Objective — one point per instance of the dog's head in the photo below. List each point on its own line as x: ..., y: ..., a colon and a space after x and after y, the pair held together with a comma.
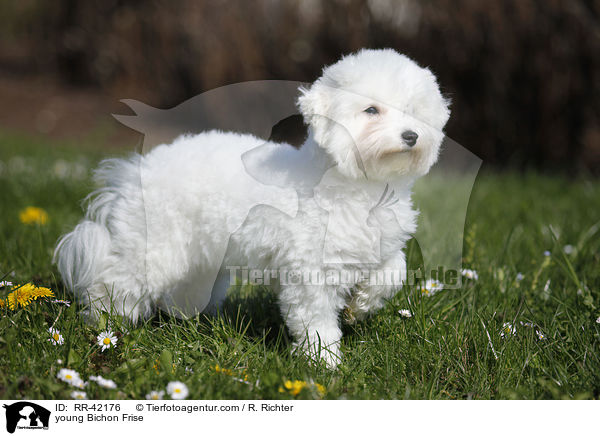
x: 377, y: 112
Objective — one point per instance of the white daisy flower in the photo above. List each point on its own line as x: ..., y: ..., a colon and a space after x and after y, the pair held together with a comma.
x: 105, y: 383
x: 4, y: 284
x: 78, y: 395
x: 538, y: 333
x: 70, y: 376
x: 568, y: 249
x: 177, y: 390
x: 470, y: 274
x: 508, y: 330
x: 431, y: 287
x: 546, y: 291
x: 55, y: 337
x: 155, y: 395
x: 107, y: 339
x: 520, y: 277
x: 405, y: 313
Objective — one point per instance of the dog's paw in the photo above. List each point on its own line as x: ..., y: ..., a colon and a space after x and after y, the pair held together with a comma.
x: 349, y: 316
x: 332, y: 359
x: 357, y: 307
x: 330, y: 354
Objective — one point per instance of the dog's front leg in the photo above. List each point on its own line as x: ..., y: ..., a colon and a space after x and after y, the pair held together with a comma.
x: 311, y: 313
x: 367, y: 298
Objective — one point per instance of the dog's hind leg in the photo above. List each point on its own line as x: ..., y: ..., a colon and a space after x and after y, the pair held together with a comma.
x: 116, y: 299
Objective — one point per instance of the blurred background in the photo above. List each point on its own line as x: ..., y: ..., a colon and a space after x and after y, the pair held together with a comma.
x: 523, y: 75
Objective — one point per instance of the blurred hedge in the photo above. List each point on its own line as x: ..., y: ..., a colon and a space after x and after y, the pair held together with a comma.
x: 523, y: 74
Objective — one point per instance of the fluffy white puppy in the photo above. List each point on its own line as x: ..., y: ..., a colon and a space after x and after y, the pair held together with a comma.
x: 170, y: 228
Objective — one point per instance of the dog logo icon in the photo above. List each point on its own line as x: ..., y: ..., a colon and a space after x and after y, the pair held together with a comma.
x: 26, y: 415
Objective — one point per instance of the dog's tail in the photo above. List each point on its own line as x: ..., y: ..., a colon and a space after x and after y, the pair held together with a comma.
x: 79, y: 256
x: 85, y: 257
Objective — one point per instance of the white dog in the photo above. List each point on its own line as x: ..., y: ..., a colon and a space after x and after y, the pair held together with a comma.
x: 170, y: 228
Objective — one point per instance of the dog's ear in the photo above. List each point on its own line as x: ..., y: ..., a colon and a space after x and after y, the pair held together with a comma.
x: 313, y: 104
x: 439, y: 117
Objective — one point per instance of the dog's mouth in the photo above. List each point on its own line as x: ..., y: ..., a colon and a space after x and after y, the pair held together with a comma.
x: 394, y: 152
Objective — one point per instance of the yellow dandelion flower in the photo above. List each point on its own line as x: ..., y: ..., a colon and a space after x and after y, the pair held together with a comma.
x: 293, y: 387
x: 33, y: 215
x: 223, y: 370
x: 296, y: 386
x: 320, y: 388
x: 25, y: 294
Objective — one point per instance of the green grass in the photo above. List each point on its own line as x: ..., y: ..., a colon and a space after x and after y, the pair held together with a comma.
x: 442, y: 352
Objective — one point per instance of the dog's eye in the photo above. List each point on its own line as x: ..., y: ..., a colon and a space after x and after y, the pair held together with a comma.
x: 372, y: 110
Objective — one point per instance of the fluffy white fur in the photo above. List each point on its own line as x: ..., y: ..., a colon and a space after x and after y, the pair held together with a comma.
x: 164, y: 221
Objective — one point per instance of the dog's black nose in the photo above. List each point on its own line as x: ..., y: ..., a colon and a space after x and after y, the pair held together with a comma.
x: 410, y: 138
